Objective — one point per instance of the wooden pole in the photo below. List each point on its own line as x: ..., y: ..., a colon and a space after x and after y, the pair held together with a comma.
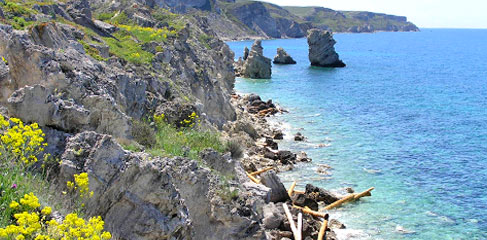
x: 261, y: 171
x: 299, y: 192
x: 324, y: 226
x: 291, y: 221
x: 291, y: 189
x: 364, y: 193
x: 255, y: 180
x: 340, y: 202
x: 300, y: 226
x: 311, y: 212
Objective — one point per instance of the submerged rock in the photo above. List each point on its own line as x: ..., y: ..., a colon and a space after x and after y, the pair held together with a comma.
x: 321, y: 49
x: 256, y: 65
x: 283, y: 57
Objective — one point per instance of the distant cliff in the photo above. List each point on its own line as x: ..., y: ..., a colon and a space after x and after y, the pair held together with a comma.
x: 242, y: 19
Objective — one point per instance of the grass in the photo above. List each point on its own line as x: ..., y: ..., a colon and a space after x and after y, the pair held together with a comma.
x: 184, y: 142
x: 127, y: 48
x: 93, y: 52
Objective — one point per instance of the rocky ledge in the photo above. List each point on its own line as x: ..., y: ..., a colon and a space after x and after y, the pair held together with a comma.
x: 283, y: 57
x: 322, y: 49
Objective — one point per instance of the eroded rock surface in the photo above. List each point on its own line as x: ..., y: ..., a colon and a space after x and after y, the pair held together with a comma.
x: 255, y: 65
x: 322, y: 49
x: 283, y: 57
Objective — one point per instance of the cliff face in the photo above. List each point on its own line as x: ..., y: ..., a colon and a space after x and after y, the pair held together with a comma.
x: 272, y: 21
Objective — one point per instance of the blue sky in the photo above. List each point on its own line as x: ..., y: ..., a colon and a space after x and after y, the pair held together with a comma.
x: 424, y: 13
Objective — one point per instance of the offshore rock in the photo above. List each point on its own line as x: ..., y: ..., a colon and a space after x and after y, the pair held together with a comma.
x: 256, y: 65
x: 322, y: 49
x: 283, y: 57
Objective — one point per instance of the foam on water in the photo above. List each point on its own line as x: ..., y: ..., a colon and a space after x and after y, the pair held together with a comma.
x: 407, y: 116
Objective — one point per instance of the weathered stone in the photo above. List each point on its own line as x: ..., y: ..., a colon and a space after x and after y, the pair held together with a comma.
x: 286, y: 157
x: 273, y: 217
x: 299, y: 137
x: 303, y: 200
x: 272, y: 181
x: 283, y: 57
x: 256, y: 65
x: 320, y: 195
x: 321, y: 49
x: 336, y: 224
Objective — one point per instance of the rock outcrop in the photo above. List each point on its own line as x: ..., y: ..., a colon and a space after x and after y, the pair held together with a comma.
x: 283, y: 57
x: 144, y: 197
x: 255, y: 65
x: 322, y: 49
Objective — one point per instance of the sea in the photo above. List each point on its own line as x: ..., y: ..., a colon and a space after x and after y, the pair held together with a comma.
x: 407, y: 115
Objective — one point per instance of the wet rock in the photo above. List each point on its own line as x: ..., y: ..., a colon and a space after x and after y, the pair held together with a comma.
x: 299, y: 137
x: 283, y: 57
x: 323, y: 169
x: 270, y: 143
x: 303, y: 200
x: 321, y: 49
x: 286, y: 157
x: 278, y: 135
x: 303, y: 157
x: 272, y: 181
x: 320, y: 195
x: 336, y: 224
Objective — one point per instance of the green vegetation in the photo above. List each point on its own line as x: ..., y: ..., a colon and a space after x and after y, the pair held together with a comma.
x: 125, y: 47
x: 92, y: 51
x: 188, y: 140
x: 17, y: 14
x: 205, y: 40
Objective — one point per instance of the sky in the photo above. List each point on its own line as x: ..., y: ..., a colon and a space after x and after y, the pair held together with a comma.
x: 423, y: 13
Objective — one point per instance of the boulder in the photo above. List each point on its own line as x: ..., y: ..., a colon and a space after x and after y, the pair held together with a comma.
x: 256, y: 65
x: 299, y: 137
x: 320, y: 195
x: 283, y: 57
x: 322, y: 49
x: 272, y: 181
x: 273, y: 217
x: 303, y: 200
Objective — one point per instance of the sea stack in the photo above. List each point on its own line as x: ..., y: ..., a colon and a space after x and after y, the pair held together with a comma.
x: 322, y: 49
x: 256, y: 65
x: 283, y: 57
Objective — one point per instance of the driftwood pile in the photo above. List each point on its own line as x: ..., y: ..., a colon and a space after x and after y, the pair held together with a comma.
x: 297, y: 227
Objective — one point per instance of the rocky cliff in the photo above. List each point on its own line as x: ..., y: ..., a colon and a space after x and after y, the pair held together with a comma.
x: 264, y: 20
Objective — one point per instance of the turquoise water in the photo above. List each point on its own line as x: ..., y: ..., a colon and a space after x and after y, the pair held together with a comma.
x: 408, y: 115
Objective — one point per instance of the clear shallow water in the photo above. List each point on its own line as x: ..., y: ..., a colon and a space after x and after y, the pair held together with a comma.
x: 412, y: 107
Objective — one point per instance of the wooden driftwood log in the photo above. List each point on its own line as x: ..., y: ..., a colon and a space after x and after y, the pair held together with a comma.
x: 311, y: 212
x: 324, y: 226
x: 364, y: 193
x: 300, y: 226
x: 291, y: 189
x: 255, y: 180
x: 351, y: 197
x: 289, y: 216
x: 261, y: 171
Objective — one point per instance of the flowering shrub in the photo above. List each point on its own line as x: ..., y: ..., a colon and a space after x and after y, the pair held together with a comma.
x: 36, y: 224
x: 20, y: 143
x: 191, y: 121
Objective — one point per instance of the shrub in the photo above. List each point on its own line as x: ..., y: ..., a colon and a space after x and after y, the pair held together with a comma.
x: 235, y: 148
x: 143, y: 133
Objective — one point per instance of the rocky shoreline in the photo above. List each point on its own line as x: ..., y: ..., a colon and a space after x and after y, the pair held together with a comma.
x: 262, y: 153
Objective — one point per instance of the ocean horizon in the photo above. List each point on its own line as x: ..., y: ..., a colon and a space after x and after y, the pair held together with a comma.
x: 406, y: 116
